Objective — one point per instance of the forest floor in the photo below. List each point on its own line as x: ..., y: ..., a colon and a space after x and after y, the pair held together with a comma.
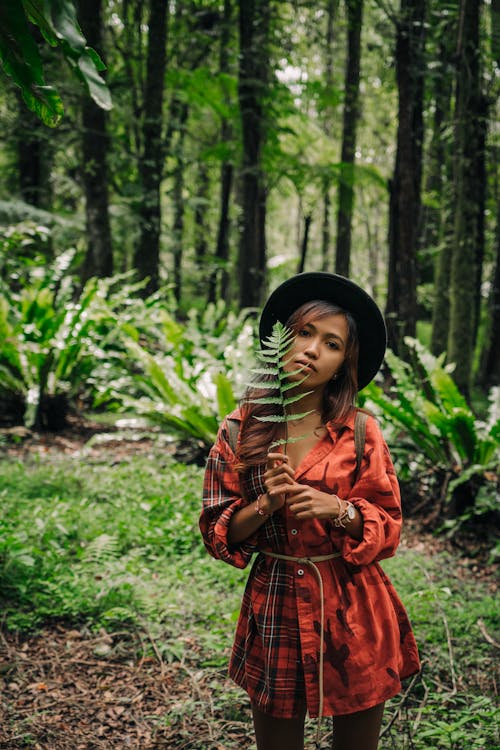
x: 66, y: 687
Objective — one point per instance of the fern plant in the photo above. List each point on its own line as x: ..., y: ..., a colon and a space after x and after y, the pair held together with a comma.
x: 273, y: 377
x: 433, y: 424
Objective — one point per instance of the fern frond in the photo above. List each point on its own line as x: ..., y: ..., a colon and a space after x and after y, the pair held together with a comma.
x: 103, y: 547
x: 283, y: 418
x: 273, y: 357
x: 266, y: 370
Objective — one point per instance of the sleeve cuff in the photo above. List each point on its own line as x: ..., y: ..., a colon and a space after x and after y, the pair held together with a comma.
x: 380, y: 536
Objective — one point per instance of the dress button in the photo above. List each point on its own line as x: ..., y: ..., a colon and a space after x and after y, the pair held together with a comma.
x: 294, y: 531
x: 300, y: 572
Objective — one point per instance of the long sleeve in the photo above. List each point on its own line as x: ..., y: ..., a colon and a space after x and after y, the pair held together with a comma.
x: 376, y: 496
x: 222, y: 498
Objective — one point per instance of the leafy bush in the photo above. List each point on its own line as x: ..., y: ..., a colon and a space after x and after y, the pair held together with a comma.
x: 186, y: 379
x: 47, y: 349
x: 430, y: 425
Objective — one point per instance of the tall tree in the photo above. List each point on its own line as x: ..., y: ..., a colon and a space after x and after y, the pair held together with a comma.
x: 219, y: 275
x: 147, y: 254
x: 253, y: 77
x: 437, y: 221
x: 95, y: 144
x: 491, y: 372
x: 331, y: 12
x: 348, y: 155
x: 404, y: 207
x: 465, y: 263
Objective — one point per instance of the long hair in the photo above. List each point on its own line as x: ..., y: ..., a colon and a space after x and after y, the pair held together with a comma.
x: 338, y: 395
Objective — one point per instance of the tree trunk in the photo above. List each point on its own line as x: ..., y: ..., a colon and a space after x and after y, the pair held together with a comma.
x: 437, y: 229
x: 34, y: 158
x: 252, y: 84
x: 95, y: 143
x: 179, y: 113
x: 404, y: 207
x: 219, y: 276
x: 351, y: 114
x: 147, y: 255
x: 491, y: 375
x: 305, y: 242
x: 328, y: 114
x: 200, y: 215
x: 464, y: 262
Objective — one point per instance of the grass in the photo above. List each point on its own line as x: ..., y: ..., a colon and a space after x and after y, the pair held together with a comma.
x: 101, y: 544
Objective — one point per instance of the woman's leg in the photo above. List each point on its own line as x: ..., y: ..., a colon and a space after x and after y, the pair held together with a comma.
x: 274, y: 734
x: 358, y: 731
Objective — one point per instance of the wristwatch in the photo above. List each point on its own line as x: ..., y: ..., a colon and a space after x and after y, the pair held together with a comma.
x: 347, y: 512
x: 350, y: 510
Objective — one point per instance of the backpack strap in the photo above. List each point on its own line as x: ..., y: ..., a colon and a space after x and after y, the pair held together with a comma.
x: 359, y: 437
x: 233, y: 429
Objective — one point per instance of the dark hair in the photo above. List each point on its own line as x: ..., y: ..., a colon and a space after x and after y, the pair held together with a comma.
x: 338, y: 397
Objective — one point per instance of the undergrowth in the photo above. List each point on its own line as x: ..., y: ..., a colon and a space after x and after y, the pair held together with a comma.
x: 117, y: 545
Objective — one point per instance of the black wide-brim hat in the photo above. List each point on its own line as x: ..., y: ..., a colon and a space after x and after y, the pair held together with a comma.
x: 340, y: 291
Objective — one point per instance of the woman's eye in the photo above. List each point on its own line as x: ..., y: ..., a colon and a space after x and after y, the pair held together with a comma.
x: 303, y: 332
x: 333, y: 345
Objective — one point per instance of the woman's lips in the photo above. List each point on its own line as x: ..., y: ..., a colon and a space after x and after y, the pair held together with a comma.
x: 305, y: 365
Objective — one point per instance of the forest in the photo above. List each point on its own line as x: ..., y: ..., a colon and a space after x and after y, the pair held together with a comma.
x: 164, y: 167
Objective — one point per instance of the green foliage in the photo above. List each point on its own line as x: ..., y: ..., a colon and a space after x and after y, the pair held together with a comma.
x: 429, y: 422
x: 67, y: 544
x: 21, y: 60
x: 47, y: 347
x: 183, y: 379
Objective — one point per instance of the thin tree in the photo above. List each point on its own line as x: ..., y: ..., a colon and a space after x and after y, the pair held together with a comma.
x: 95, y: 144
x: 327, y: 123
x: 404, y: 207
x: 491, y: 371
x: 348, y: 155
x: 147, y: 253
x: 436, y: 230
x: 465, y: 263
x: 219, y: 275
x: 254, y: 24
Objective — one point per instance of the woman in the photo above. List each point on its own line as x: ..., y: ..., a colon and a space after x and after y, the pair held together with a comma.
x: 321, y: 629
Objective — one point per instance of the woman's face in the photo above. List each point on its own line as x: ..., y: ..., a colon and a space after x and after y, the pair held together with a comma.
x: 319, y: 349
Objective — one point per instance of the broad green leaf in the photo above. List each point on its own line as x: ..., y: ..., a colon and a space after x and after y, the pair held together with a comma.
x: 21, y: 61
x: 225, y: 396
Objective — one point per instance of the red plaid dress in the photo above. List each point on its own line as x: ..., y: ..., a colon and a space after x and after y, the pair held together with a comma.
x: 368, y: 642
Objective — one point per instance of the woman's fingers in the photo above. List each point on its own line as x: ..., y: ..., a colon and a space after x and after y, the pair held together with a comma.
x: 274, y: 456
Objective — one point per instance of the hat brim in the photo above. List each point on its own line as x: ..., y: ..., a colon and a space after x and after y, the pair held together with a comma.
x: 340, y: 291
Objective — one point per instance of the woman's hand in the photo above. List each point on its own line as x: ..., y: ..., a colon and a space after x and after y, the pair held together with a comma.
x: 278, y: 478
x: 308, y: 502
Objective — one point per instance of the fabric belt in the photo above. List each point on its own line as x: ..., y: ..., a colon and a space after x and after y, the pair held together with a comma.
x: 311, y: 562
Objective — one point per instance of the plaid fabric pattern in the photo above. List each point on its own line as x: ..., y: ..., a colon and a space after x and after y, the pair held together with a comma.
x: 368, y: 642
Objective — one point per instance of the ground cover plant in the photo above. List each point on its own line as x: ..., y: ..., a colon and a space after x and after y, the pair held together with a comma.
x: 117, y: 626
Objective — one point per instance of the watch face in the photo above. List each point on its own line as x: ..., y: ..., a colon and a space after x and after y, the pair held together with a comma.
x: 351, y: 512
